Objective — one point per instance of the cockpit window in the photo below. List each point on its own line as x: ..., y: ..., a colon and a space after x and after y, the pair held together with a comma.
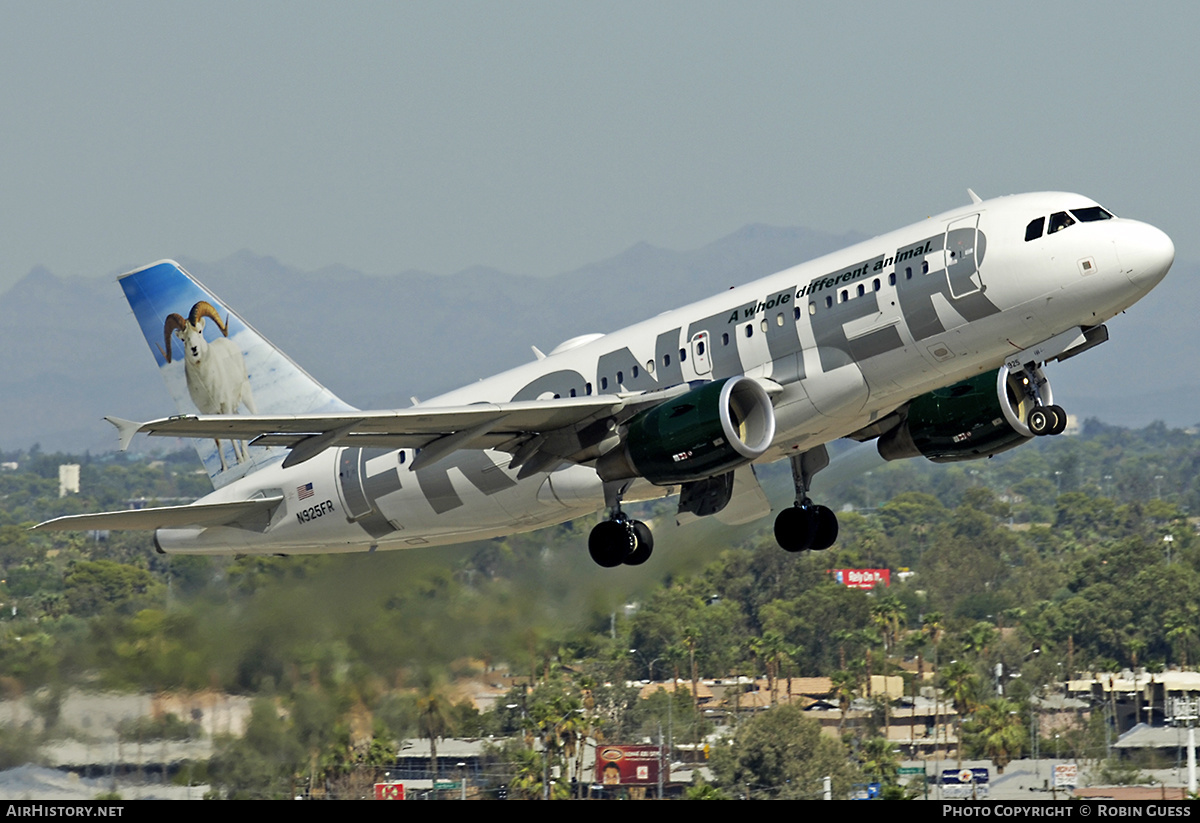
x: 1059, y: 221
x: 1034, y: 230
x: 1091, y: 214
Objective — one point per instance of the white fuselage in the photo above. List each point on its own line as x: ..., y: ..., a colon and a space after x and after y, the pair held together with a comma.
x: 849, y: 337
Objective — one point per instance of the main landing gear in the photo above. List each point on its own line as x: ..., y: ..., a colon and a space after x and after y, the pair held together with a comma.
x: 619, y: 540
x: 805, y: 525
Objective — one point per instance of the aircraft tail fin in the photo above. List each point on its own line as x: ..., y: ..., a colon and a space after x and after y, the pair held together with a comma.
x: 214, y: 362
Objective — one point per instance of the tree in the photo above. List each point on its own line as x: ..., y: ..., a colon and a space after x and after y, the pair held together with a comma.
x: 880, y: 760
x: 781, y: 754
x: 261, y: 764
x: 996, y: 731
x: 433, y: 721
x: 100, y: 586
x: 961, y: 682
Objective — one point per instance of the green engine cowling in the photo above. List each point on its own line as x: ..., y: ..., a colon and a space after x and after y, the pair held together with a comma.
x: 976, y: 418
x: 703, y: 433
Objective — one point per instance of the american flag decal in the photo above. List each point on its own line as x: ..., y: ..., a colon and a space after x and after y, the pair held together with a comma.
x: 305, y: 491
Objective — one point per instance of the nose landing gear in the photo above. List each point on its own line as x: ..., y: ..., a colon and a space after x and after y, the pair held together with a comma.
x: 1047, y: 420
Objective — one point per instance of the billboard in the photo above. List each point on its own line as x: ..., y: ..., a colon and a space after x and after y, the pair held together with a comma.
x: 630, y: 765
x: 965, y: 783
x: 862, y: 578
x: 389, y: 791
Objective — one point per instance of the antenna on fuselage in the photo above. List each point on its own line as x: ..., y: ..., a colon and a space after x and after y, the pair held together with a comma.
x: 975, y: 198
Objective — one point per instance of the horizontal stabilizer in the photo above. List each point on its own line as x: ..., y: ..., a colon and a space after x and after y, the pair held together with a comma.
x: 254, y: 513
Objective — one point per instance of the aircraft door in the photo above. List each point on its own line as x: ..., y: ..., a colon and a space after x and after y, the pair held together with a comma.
x: 962, y: 254
x: 701, y: 357
x: 350, y: 484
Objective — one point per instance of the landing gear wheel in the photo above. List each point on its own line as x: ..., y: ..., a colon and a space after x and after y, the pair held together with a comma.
x: 611, y: 542
x: 825, y: 529
x: 645, y: 544
x: 1060, y: 423
x: 1041, y: 420
x: 794, y: 529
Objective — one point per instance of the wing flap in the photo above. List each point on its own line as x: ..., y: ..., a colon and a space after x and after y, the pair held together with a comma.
x: 247, y: 513
x: 520, y: 416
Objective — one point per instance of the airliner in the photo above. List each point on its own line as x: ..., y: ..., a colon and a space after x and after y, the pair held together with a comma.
x: 931, y: 340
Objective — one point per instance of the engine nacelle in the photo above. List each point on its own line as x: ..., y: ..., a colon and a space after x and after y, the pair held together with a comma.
x: 976, y: 418
x: 708, y: 431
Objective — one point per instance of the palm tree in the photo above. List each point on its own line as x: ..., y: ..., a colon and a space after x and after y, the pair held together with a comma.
x: 434, y: 721
x: 844, y: 684
x: 961, y: 682
x: 931, y: 627
x: 880, y: 760
x: 996, y: 729
x: 1181, y: 629
x: 887, y: 615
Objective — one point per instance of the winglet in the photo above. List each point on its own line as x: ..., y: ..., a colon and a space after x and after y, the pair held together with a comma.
x: 126, y: 429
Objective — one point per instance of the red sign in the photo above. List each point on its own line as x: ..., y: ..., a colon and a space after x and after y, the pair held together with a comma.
x: 389, y: 791
x: 862, y: 578
x: 630, y: 765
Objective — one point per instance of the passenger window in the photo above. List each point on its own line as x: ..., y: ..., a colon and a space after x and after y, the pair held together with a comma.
x: 620, y: 377
x: 908, y: 272
x: 587, y: 388
x: 861, y: 289
x: 1034, y: 230
x: 650, y: 366
x: 763, y: 324
x: 603, y: 384
x: 572, y: 392
x: 796, y: 311
x: 634, y: 371
x: 845, y: 295
x: 666, y: 359
x: 924, y: 267
x: 700, y: 348
x: 683, y: 355
x: 725, y: 339
x: 892, y: 279
x: 749, y: 329
x: 829, y: 302
x: 1059, y: 221
x: 877, y: 285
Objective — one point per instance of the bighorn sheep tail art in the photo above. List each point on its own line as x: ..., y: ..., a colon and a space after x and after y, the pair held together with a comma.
x: 216, y: 372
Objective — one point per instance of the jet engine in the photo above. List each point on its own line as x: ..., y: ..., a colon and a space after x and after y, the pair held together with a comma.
x: 706, y: 432
x: 981, y: 416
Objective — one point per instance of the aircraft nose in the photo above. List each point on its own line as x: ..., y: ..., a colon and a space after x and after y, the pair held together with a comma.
x: 1146, y: 254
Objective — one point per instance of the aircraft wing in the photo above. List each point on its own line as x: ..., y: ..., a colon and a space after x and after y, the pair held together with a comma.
x: 254, y: 513
x: 539, y: 433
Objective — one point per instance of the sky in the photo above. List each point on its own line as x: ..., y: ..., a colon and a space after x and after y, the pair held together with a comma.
x: 536, y: 137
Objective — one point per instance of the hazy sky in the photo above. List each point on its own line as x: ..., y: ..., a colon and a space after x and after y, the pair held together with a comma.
x: 537, y: 137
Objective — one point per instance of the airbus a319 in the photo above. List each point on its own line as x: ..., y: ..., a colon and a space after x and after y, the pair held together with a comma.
x: 930, y: 340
